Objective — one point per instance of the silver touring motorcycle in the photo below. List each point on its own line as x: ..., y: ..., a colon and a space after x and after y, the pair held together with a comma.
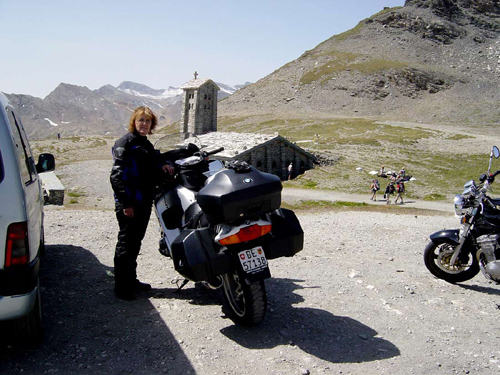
x: 457, y: 255
x: 221, y: 224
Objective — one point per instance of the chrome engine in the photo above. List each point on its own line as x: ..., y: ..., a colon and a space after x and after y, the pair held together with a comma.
x: 487, y: 256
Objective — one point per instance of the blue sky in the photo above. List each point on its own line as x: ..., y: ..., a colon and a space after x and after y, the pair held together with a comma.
x: 161, y: 43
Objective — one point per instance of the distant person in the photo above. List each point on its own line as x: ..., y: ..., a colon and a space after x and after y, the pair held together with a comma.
x: 402, y: 173
x: 290, y: 169
x: 58, y: 135
x: 374, y: 187
x: 400, y: 189
x: 136, y: 172
x: 382, y: 172
x: 388, y: 191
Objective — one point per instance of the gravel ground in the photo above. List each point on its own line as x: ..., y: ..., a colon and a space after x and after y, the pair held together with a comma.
x: 356, y: 300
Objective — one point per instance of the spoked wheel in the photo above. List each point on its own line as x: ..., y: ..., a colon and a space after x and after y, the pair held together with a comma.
x: 437, y: 259
x: 247, y: 303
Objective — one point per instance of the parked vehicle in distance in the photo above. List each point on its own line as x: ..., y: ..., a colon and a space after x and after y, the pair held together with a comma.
x: 21, y: 227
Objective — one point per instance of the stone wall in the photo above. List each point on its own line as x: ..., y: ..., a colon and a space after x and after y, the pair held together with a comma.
x: 274, y: 157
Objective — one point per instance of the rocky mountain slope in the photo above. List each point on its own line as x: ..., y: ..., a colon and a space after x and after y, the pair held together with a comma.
x: 75, y: 110
x: 428, y: 61
x: 432, y: 61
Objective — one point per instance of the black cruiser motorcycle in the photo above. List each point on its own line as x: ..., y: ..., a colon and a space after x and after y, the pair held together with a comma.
x: 457, y: 255
x: 221, y: 224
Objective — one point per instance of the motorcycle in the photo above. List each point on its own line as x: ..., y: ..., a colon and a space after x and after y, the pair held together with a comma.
x: 457, y: 255
x: 221, y: 224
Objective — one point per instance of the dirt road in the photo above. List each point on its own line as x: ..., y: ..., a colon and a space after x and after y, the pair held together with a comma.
x: 356, y: 300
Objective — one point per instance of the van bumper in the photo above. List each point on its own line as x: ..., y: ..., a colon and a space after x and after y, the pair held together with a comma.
x: 15, y: 307
x: 19, y: 280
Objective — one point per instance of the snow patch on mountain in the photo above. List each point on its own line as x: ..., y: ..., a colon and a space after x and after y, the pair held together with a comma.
x: 165, y: 94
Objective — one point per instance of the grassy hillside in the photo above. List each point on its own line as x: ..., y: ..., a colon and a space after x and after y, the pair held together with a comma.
x: 441, y: 158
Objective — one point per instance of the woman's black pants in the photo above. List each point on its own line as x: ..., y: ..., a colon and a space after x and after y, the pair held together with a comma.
x: 130, y: 235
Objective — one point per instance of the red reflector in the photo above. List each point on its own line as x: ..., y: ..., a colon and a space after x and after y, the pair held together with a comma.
x: 17, y: 249
x: 246, y: 234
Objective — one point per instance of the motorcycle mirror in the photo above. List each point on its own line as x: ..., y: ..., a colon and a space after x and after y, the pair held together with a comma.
x: 495, y: 152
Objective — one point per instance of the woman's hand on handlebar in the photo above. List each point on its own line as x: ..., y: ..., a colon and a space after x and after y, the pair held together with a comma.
x: 167, y: 168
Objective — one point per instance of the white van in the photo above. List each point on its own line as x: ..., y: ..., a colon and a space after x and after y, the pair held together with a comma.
x: 21, y: 227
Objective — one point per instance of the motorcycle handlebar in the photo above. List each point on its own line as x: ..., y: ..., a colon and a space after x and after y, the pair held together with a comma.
x: 215, y: 151
x: 490, y: 178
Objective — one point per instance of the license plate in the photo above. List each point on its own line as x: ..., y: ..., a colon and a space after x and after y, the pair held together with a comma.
x: 253, y: 260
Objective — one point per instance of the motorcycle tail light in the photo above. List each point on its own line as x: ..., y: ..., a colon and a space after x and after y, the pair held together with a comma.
x: 246, y: 234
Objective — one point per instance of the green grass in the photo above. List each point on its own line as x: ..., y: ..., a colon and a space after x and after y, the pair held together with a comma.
x: 322, y: 206
x: 342, y: 61
x: 366, y: 143
x: 325, y: 133
x: 74, y: 195
x: 434, y: 197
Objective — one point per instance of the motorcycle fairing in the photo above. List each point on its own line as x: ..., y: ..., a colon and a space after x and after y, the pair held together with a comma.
x: 170, y: 208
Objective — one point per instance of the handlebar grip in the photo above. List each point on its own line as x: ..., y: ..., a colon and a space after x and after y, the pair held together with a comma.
x: 496, y: 173
x: 215, y: 151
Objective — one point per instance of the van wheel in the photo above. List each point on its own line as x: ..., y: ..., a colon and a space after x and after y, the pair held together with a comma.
x: 28, y: 330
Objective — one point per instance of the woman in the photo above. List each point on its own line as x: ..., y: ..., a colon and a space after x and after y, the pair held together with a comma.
x: 135, y: 173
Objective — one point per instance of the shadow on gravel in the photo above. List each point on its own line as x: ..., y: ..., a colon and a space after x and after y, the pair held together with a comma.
x: 337, y: 339
x: 88, y: 330
x: 481, y: 289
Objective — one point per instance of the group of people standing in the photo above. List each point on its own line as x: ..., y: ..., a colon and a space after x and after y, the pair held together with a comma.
x: 395, y: 184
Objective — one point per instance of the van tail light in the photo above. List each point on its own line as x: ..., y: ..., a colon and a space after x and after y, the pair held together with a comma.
x: 248, y: 233
x: 17, y: 249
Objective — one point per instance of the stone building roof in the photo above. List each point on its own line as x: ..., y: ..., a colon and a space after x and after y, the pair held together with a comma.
x: 241, y: 143
x: 198, y: 82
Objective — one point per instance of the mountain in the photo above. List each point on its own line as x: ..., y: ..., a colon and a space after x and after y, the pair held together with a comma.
x: 138, y: 89
x: 75, y: 110
x: 429, y: 61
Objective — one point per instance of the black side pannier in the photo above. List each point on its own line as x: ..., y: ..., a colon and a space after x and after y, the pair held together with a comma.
x: 234, y: 194
x: 286, y: 238
x: 195, y: 257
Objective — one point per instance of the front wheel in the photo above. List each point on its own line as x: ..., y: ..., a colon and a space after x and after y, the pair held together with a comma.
x: 437, y: 258
x: 247, y: 303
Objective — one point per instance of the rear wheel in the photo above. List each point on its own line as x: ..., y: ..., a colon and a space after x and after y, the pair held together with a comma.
x: 437, y: 259
x: 247, y: 303
x: 28, y: 329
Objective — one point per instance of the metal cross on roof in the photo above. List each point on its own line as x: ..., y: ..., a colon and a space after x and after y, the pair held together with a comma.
x: 195, y: 74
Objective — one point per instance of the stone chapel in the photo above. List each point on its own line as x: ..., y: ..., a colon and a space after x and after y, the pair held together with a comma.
x: 268, y: 153
x: 199, y: 106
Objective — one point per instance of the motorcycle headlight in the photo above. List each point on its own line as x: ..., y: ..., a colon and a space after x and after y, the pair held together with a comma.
x: 464, y: 205
x: 459, y: 205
